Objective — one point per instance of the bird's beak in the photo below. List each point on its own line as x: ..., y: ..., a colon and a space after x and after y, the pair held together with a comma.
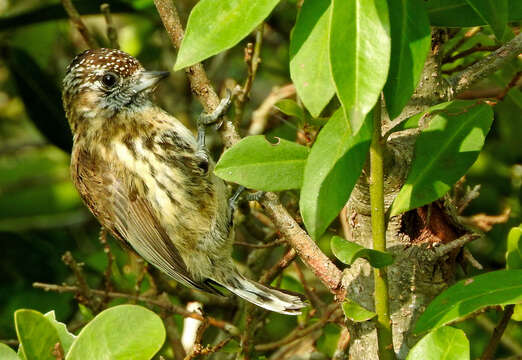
x: 149, y: 79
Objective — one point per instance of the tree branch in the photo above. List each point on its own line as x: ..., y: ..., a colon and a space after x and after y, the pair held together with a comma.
x: 112, y: 34
x: 305, y: 247
x: 497, y: 333
x: 491, y: 63
x: 74, y: 15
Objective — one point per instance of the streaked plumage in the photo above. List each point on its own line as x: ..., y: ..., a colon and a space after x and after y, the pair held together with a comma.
x: 139, y: 171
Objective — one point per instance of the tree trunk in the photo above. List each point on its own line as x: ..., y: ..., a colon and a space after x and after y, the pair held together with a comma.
x: 419, y: 272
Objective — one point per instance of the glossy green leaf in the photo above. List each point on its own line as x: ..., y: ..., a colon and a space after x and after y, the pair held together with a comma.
x: 494, y: 13
x: 347, y: 252
x: 6, y: 353
x: 444, y: 152
x: 332, y: 169
x: 214, y: 26
x: 413, y: 122
x: 501, y: 287
x: 458, y: 13
x: 120, y: 333
x: 42, y: 98
x: 36, y: 334
x: 258, y: 164
x: 359, y: 55
x: 309, y: 60
x: 66, y: 338
x: 410, y: 44
x: 290, y: 108
x: 445, y: 343
x: 514, y: 248
x: 356, y: 312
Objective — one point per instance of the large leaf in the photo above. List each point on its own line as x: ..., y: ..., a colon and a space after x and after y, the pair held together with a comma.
x: 66, y: 338
x: 348, y: 252
x: 214, y: 26
x: 57, y: 12
x: 359, y: 55
x: 445, y: 343
x: 36, y: 334
x: 119, y: 333
x: 42, y: 98
x: 6, y: 353
x: 444, y: 152
x: 494, y: 13
x: 309, y: 61
x: 331, y: 171
x: 410, y: 44
x: 356, y: 312
x: 514, y: 260
x: 458, y: 13
x: 501, y: 287
x: 258, y: 164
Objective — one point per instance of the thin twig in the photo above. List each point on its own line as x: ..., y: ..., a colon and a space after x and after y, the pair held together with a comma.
x: 74, y: 15
x: 228, y: 327
x: 84, y: 293
x: 469, y: 34
x: 497, y: 333
x: 509, y: 86
x: 310, y: 293
x: 260, y: 115
x: 486, y: 66
x: 112, y: 34
x: 252, y: 59
x: 474, y: 49
x: 270, y: 274
x: 110, y: 261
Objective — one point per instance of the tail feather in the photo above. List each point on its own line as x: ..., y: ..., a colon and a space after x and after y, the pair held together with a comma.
x: 269, y: 298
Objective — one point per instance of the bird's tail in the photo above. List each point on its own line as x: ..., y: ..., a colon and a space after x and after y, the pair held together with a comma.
x: 280, y: 301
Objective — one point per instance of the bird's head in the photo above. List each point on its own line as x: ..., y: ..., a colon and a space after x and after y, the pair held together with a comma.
x: 106, y: 81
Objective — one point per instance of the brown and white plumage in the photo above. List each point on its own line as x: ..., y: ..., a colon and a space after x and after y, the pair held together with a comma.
x: 139, y: 171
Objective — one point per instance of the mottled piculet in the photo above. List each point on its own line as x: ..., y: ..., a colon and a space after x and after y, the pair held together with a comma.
x: 144, y: 177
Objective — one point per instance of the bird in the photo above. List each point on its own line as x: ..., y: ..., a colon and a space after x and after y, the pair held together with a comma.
x: 149, y: 181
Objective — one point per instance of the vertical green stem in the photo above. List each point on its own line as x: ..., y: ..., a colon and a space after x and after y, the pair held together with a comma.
x: 384, y: 327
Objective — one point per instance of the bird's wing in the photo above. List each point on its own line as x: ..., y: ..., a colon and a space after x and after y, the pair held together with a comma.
x: 125, y: 212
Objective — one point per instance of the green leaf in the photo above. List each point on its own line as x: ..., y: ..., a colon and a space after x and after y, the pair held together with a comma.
x: 359, y: 55
x: 327, y: 342
x: 309, y: 58
x: 514, y: 248
x: 6, y: 353
x: 119, y: 333
x: 36, y: 334
x: 258, y: 164
x: 458, y: 13
x: 494, y: 13
x: 66, y: 338
x: 445, y: 343
x: 356, y: 312
x: 517, y: 313
x: 290, y: 108
x: 413, y: 122
x: 501, y: 287
x: 444, y: 152
x: 410, y: 44
x: 348, y: 252
x: 332, y: 169
x: 214, y: 26
x: 42, y: 98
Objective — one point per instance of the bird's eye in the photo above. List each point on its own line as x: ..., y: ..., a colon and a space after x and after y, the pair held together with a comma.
x: 109, y: 79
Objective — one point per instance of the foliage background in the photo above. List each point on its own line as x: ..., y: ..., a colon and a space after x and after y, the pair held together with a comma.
x: 41, y: 216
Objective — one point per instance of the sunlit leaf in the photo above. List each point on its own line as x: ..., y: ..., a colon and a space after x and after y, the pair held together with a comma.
x: 410, y: 44
x: 290, y: 108
x: 332, y: 169
x: 444, y: 152
x: 356, y: 312
x: 66, y: 338
x: 37, y: 336
x: 494, y: 13
x: 119, y: 333
x: 309, y: 61
x: 6, y: 353
x: 359, y: 55
x: 501, y: 287
x: 348, y: 252
x: 445, y: 343
x: 214, y: 26
x: 258, y: 164
x: 514, y: 248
